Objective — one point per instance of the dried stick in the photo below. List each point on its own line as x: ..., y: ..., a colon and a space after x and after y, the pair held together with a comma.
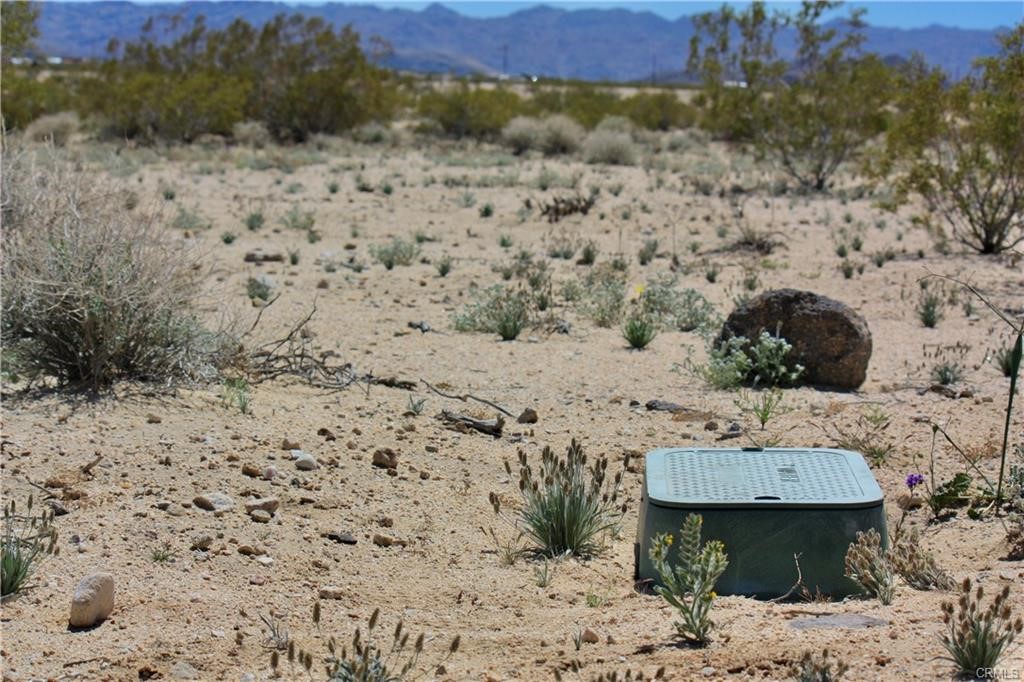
x: 468, y: 397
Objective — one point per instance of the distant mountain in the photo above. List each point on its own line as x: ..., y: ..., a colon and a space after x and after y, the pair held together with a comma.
x: 591, y: 44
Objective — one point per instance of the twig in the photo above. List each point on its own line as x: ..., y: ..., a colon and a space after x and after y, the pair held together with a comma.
x: 799, y: 581
x: 467, y: 397
x: 260, y: 315
x: 491, y: 427
x: 88, y: 467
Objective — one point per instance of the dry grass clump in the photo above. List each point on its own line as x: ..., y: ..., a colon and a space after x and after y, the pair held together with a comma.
x: 53, y: 128
x: 554, y: 135
x: 252, y: 134
x: 94, y: 291
x: 609, y: 147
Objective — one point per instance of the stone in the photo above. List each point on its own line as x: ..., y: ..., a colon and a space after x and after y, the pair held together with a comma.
x: 249, y: 550
x: 267, y: 504
x: 830, y: 339
x: 182, y: 670
x: 529, y: 416
x: 260, y: 516
x: 385, y: 458
x: 202, y: 542
x: 93, y: 600
x: 590, y: 637
x: 382, y: 540
x: 332, y: 593
x: 153, y: 418
x: 213, y: 501
x: 342, y: 537
x: 290, y: 444
x: 251, y: 470
x: 304, y: 461
x: 837, y: 621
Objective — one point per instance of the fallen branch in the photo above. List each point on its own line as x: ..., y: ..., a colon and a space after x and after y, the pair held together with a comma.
x: 491, y: 427
x: 88, y: 467
x: 467, y: 397
x: 799, y: 581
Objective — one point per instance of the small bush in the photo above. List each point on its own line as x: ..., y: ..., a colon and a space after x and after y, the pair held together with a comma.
x: 443, y: 265
x: 735, y: 361
x: 398, y: 252
x: 608, y: 147
x: 604, y: 296
x: 26, y: 541
x: 496, y: 310
x: 689, y: 584
x: 374, y: 133
x: 639, y: 330
x: 562, y: 135
x: 615, y: 124
x: 56, y: 129
x: 929, y: 308
x: 681, y: 309
x: 818, y: 669
x: 915, y: 565
x: 470, y: 111
x: 568, y: 506
x: 947, y: 373
x: 647, y: 252
x: 867, y: 566
x: 93, y: 292
x: 252, y: 134
x: 523, y: 134
x: 978, y: 638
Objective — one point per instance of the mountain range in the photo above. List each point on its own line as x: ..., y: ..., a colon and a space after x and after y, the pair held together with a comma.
x: 589, y: 44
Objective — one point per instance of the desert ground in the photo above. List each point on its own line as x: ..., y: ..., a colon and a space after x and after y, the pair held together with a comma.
x: 421, y: 553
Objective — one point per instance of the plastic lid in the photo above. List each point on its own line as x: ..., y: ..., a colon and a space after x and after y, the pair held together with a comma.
x: 773, y: 477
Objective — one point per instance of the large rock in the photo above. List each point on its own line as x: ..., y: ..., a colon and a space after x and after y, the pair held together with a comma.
x: 829, y: 338
x: 93, y: 600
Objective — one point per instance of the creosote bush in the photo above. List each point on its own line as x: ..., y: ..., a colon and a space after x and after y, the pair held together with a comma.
x: 95, y: 292
x: 688, y: 583
x: 568, y: 506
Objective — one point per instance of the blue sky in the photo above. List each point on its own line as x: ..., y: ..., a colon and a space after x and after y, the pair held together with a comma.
x: 981, y: 14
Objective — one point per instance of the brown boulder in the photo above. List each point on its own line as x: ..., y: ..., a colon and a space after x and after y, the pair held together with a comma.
x: 829, y: 338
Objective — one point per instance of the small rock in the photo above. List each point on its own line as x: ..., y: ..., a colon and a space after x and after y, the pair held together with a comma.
x: 289, y: 444
x: 264, y: 560
x: 252, y: 471
x: 257, y: 580
x: 711, y: 425
x: 163, y: 505
x: 424, y: 475
x: 529, y: 416
x: 153, y: 418
x: 57, y: 506
x: 93, y: 600
x: 267, y: 504
x: 202, y: 542
x: 304, y: 461
x: 332, y: 593
x: 260, y: 516
x: 707, y: 671
x: 214, y: 501
x: 590, y: 637
x: 326, y: 433
x: 270, y: 473
x: 382, y: 540
x: 343, y: 537
x: 385, y: 458
x: 249, y: 550
x: 184, y: 671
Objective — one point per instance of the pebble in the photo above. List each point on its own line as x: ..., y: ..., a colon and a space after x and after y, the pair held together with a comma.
x: 267, y: 504
x: 183, y: 670
x: 257, y: 580
x: 270, y: 473
x: 332, y: 593
x: 590, y: 637
x: 385, y: 458
x: 153, y: 418
x: 707, y: 671
x: 202, y: 542
x: 290, y: 444
x: 93, y: 600
x: 343, y: 537
x: 260, y: 516
x: 304, y: 461
x: 529, y: 416
x: 251, y: 470
x: 383, y: 540
x: 250, y: 550
x: 213, y: 501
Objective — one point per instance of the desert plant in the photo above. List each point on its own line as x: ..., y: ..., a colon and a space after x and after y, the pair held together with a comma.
x: 764, y: 406
x: 55, y: 129
x: 681, y: 309
x: 977, y: 638
x: 818, y: 668
x: 252, y: 134
x: 27, y: 540
x: 487, y: 210
x: 398, y: 252
x: 567, y: 506
x: 443, y: 265
x: 95, y: 293
x: 522, y: 134
x: 588, y: 255
x: 915, y: 565
x: 496, y: 310
x: 929, y: 308
x: 1003, y: 359
x: 236, y: 393
x: 254, y: 220
x: 561, y: 135
x: 647, y: 252
x: 688, y: 584
x: 639, y: 330
x: 866, y: 565
x: 608, y: 147
x: 259, y: 288
x: 728, y: 365
x: 947, y: 373
x: 604, y: 296
x: 297, y: 219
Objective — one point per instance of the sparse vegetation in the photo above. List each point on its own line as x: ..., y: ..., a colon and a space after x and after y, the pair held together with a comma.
x: 28, y: 538
x: 398, y: 252
x: 978, y: 637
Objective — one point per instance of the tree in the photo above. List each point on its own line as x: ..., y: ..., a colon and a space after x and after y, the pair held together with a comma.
x: 960, y: 148
x: 809, y: 117
x: 18, y: 26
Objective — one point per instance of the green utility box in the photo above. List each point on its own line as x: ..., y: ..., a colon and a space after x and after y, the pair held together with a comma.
x: 765, y: 505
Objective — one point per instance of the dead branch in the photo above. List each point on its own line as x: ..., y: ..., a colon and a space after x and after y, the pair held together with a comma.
x: 491, y: 427
x: 88, y: 467
x: 799, y: 581
x: 467, y: 397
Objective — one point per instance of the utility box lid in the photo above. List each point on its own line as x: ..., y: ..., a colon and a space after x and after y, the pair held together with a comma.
x: 760, y: 478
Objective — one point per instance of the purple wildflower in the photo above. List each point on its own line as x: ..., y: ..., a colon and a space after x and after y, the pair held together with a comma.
x: 914, y: 480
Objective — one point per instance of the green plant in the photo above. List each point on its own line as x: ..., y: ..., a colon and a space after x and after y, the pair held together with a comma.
x: 169, y: 193
x: 398, y: 252
x: 639, y: 330
x: 953, y: 493
x: 259, y: 288
x: 228, y: 237
x: 681, y: 309
x: 443, y: 265
x: 254, y: 220
x: 567, y: 506
x: 467, y: 111
x: 867, y: 566
x: 189, y: 219
x: 333, y: 187
x: 915, y: 565
x: 296, y: 219
x: 609, y: 147
x: 818, y: 668
x: 543, y: 574
x: 689, y: 584
x: 487, y: 210
x: 27, y: 540
x: 604, y: 296
x: 947, y: 373
x: 764, y: 407
x: 415, y: 406
x: 236, y: 392
x: 505, y: 241
x: 496, y: 310
x: 293, y: 256
x: 728, y: 365
x: 867, y: 435
x: 94, y: 293
x: 1003, y: 359
x: 164, y: 553
x: 648, y: 251
x: 977, y: 638
x: 588, y: 255
x: 929, y: 307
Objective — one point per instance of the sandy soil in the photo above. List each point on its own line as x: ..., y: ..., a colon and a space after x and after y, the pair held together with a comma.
x: 443, y: 576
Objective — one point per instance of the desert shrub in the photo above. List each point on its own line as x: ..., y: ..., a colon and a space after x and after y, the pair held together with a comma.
x: 688, y: 584
x: 251, y: 134
x: 960, y: 148
x: 639, y: 330
x: 615, y: 124
x: 681, y: 309
x: 609, y: 147
x: 56, y: 129
x: 915, y: 565
x: 867, y: 565
x: 585, y: 104
x: 522, y: 134
x: 978, y: 637
x: 562, y: 135
x: 736, y: 361
x: 95, y: 292
x: 27, y: 540
x: 24, y: 98
x: 466, y: 111
x: 658, y: 111
x: 604, y: 296
x: 496, y: 310
x: 728, y: 365
x: 818, y: 668
x: 374, y: 133
x: 567, y: 506
x: 398, y: 252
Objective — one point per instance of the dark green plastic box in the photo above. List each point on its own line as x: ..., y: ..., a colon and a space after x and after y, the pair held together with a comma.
x: 765, y: 505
